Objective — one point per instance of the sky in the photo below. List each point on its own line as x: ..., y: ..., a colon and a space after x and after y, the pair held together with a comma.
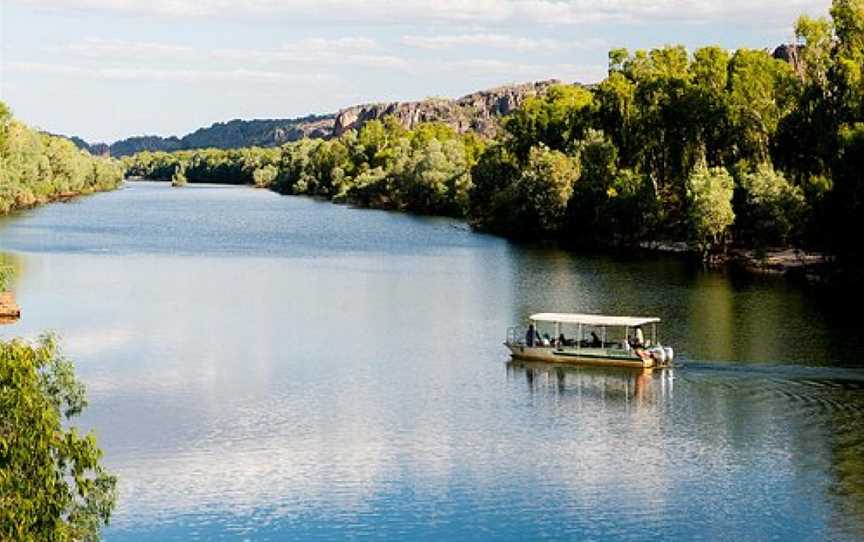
x: 110, y: 69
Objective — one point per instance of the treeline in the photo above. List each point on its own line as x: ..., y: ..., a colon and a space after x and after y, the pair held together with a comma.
x: 252, y: 165
x: 36, y: 167
x: 713, y: 147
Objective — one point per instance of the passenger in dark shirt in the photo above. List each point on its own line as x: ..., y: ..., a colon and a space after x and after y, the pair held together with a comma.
x: 531, y: 335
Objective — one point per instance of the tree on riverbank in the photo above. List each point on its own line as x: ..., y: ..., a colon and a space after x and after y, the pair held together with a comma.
x: 709, y: 196
x: 52, y: 483
x: 178, y: 178
x: 36, y: 167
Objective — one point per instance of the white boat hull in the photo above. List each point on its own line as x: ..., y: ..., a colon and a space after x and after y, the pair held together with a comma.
x: 581, y: 356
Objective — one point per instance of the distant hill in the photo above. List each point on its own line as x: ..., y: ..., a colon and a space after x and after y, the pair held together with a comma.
x: 479, y: 111
x: 222, y: 135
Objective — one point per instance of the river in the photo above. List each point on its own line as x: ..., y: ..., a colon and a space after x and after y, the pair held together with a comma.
x: 262, y: 367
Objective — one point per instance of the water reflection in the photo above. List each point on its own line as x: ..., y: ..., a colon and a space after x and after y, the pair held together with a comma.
x: 631, y: 386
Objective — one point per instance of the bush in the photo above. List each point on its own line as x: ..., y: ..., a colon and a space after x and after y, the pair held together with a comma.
x: 769, y: 210
x: 709, y: 196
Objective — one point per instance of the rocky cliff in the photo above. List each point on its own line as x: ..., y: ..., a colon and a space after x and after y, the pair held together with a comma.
x: 478, y: 111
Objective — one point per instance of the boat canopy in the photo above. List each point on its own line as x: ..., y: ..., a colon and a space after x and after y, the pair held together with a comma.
x: 593, y: 319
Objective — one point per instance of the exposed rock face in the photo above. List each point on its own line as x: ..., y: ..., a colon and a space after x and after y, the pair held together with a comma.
x: 790, y: 53
x: 478, y: 111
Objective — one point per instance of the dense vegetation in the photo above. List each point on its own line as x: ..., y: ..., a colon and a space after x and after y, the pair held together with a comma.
x: 36, y: 167
x: 711, y: 147
x: 52, y: 485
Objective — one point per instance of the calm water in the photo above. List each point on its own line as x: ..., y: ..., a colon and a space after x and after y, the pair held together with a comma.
x: 274, y: 368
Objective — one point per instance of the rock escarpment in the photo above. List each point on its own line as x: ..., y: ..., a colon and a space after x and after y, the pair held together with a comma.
x: 478, y: 111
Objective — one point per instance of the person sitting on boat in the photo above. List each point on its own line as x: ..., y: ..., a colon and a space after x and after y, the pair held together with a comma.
x: 562, y: 341
x: 547, y: 341
x: 531, y: 335
x: 595, y: 340
x: 639, y: 341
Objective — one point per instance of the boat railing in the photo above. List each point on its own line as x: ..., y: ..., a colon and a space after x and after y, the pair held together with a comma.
x: 516, y: 335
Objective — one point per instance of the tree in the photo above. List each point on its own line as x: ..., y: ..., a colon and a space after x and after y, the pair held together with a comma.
x: 437, y: 179
x: 179, y: 176
x: 556, y: 120
x: 542, y: 192
x: 845, y: 203
x: 52, y: 484
x: 709, y: 195
x: 769, y: 209
x: 493, y: 178
x: 264, y: 176
x: 763, y: 90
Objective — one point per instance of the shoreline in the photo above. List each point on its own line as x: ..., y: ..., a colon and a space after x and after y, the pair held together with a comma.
x: 787, y: 262
x: 780, y: 261
x: 59, y: 197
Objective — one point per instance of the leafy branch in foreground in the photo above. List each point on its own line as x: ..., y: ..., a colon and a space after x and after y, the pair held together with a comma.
x: 52, y: 484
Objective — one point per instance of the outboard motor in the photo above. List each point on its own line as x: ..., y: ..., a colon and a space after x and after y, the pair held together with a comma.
x: 670, y: 354
x: 659, y: 355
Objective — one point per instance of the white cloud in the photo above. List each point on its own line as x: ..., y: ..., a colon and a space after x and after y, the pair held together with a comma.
x: 347, y: 51
x: 499, y: 41
x: 558, y: 12
x: 128, y: 50
x: 518, y: 72
x: 176, y: 75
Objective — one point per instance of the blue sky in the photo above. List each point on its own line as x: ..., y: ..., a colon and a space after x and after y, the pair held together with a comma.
x: 108, y: 69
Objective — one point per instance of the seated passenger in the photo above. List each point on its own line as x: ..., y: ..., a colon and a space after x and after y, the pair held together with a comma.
x: 595, y: 340
x: 546, y: 340
x: 562, y: 341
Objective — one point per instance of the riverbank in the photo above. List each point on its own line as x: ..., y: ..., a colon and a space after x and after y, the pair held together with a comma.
x: 39, y: 168
x: 60, y: 197
x: 784, y: 261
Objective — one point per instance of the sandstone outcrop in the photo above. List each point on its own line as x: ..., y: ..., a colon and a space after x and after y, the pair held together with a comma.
x: 478, y: 111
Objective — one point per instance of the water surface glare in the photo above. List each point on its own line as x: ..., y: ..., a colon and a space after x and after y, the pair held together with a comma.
x: 275, y: 368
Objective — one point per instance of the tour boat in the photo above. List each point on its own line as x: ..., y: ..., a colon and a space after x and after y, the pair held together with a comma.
x: 590, y: 339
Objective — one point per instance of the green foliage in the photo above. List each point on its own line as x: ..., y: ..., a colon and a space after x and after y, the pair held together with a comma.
x: 52, y: 484
x: 493, y: 177
x: 556, y: 120
x: 608, y: 203
x: 769, y: 209
x: 763, y: 91
x: 7, y: 272
x: 232, y: 166
x: 845, y: 202
x: 36, y: 167
x: 179, y: 176
x: 263, y: 177
x: 436, y: 178
x: 709, y: 196
x: 541, y: 192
